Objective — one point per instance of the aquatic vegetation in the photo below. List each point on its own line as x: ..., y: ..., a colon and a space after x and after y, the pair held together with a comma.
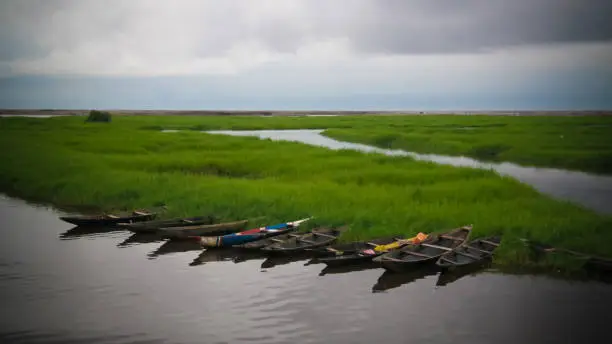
x: 126, y: 164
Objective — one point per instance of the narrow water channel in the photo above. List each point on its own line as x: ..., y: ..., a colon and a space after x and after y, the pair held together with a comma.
x: 588, y: 190
x: 60, y: 284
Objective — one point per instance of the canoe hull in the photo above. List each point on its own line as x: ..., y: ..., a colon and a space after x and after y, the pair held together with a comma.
x: 425, y: 252
x: 308, y: 241
x: 203, y: 230
x: 363, y: 251
x: 152, y: 226
x: 235, y: 239
x: 475, y: 252
x: 104, y: 221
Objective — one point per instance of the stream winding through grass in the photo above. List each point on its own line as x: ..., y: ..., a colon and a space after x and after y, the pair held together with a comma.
x: 589, y: 190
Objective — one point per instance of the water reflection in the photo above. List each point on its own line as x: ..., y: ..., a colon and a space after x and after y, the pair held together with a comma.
x: 389, y: 280
x: 448, y: 276
x: 343, y: 269
x: 87, y: 232
x: 175, y: 246
x: 590, y: 190
x: 140, y: 238
x: 226, y: 254
x: 275, y: 260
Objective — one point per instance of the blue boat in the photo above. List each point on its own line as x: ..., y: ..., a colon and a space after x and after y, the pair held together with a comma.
x: 250, y: 235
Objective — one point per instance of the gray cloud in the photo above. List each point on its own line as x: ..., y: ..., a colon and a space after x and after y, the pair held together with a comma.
x: 397, y: 26
x: 33, y: 28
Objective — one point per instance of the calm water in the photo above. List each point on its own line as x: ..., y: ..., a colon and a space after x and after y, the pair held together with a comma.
x: 589, y: 190
x: 61, y: 285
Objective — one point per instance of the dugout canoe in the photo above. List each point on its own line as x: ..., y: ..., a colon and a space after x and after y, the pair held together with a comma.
x: 259, y: 244
x: 250, y: 235
x: 476, y: 251
x: 185, y: 232
x: 154, y: 225
x: 110, y: 219
x: 365, y: 251
x: 427, y: 251
x: 311, y: 240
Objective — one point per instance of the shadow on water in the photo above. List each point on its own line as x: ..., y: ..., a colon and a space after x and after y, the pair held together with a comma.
x: 175, y: 246
x: 276, y: 260
x: 389, y: 280
x: 226, y: 254
x: 448, y: 276
x: 343, y: 269
x: 140, y: 238
x: 88, y: 232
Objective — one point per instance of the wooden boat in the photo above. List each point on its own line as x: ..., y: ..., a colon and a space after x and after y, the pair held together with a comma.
x: 261, y: 243
x: 426, y: 251
x: 110, y: 219
x: 250, y: 235
x: 365, y: 251
x: 476, y: 251
x: 201, y: 230
x: 152, y: 226
x: 299, y: 242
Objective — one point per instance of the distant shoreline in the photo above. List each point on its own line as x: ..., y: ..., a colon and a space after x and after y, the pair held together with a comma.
x: 82, y: 112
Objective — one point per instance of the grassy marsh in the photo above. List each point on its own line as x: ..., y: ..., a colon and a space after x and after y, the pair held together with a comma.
x: 572, y: 142
x: 126, y: 164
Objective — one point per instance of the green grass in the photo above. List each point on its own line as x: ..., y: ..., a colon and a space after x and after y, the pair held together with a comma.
x: 571, y: 142
x: 575, y: 143
x: 125, y: 164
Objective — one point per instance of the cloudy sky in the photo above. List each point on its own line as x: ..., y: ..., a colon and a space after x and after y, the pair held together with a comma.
x: 306, y: 54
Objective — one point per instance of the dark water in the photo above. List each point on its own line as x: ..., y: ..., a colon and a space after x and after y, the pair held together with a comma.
x: 59, y: 285
x: 585, y: 189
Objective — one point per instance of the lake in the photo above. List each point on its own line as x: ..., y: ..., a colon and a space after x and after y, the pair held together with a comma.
x: 64, y: 285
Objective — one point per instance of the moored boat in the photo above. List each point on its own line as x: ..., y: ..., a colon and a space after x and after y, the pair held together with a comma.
x: 365, y: 251
x: 153, y: 225
x: 185, y: 232
x: 310, y: 240
x: 261, y: 243
x: 250, y: 235
x: 426, y: 251
x: 476, y: 251
x: 110, y: 219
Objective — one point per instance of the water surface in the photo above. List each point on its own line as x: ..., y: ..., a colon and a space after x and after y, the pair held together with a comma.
x: 60, y: 284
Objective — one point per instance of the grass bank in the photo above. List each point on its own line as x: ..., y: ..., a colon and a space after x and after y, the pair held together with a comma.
x: 576, y: 142
x: 125, y: 164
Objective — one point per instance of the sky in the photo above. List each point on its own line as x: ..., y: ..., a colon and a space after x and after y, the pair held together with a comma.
x: 306, y: 54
